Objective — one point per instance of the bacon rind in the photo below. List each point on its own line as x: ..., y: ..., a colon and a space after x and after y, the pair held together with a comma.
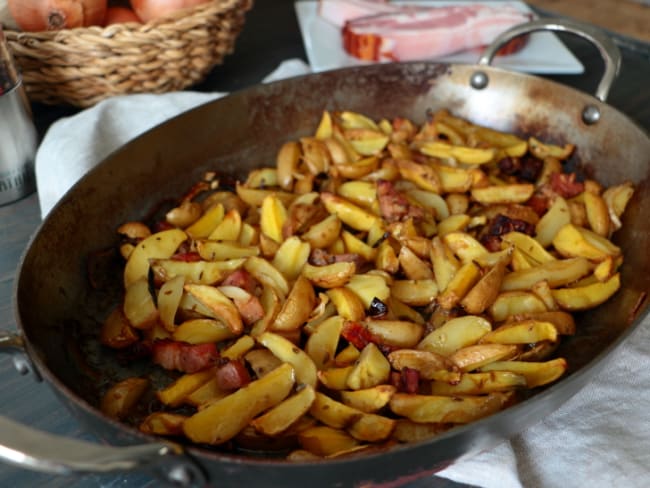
x: 424, y: 33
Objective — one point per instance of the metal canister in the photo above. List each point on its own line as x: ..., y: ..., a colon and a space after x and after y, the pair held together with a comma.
x: 18, y: 138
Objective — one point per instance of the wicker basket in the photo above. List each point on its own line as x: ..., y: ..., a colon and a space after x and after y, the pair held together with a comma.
x: 82, y: 66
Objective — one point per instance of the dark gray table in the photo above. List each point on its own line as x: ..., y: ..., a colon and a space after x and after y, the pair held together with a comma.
x: 271, y: 34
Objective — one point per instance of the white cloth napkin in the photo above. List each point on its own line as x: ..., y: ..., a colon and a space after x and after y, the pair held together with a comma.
x: 600, y: 438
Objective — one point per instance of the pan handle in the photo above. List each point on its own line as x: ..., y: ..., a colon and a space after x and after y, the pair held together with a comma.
x: 608, y: 49
x: 32, y: 449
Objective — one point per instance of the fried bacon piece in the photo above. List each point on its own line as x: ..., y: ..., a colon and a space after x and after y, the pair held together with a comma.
x: 565, y: 184
x: 232, y: 375
x: 180, y: 356
x: 394, y: 206
x: 241, y: 279
x: 501, y: 225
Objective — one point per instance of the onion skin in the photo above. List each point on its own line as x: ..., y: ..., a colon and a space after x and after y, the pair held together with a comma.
x: 41, y: 15
x: 120, y: 15
x: 153, y: 9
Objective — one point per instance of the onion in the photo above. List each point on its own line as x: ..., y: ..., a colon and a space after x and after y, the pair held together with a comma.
x: 6, y: 19
x: 153, y: 9
x: 120, y: 15
x: 40, y: 15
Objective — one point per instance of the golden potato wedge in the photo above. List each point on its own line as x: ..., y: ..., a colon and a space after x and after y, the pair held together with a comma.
x: 335, y: 378
x: 445, y: 265
x: 224, y: 251
x: 522, y: 332
x: 369, y: 400
x: 413, y: 267
x: 453, y: 223
x: 116, y: 331
x: 324, y: 233
x: 398, y: 333
x: 463, y: 281
x: 455, y: 334
x: 120, y: 398
x: 349, y: 213
x: 485, y: 291
x: 462, y: 154
x: 559, y: 272
x: 272, y: 218
x: 597, y: 213
x: 332, y: 275
x: 202, y: 272
x: 176, y: 393
x: 367, y: 287
x: 267, y: 274
x: 284, y: 414
x: 617, y: 197
x: 323, y: 342
x: 443, y: 409
x: 473, y: 357
x: 161, y: 245
x: 169, y: 298
x: 139, y: 307
x: 262, y: 361
x: 254, y: 197
x: 586, y: 297
x: 541, y: 150
x: 297, y: 308
x: 348, y: 304
x: 371, y: 369
x: 322, y: 440
x: 536, y: 374
x: 508, y: 193
x: 366, y: 142
x: 285, y: 350
x: 206, y: 394
x: 425, y: 177
x: 574, y: 241
x: 530, y: 247
x: 202, y: 331
x: 163, y: 423
x: 229, y: 228
x: 355, y: 245
x: 517, y: 302
x: 426, y: 362
x: 463, y: 245
x: 477, y: 383
x: 287, y: 161
x: 225, y: 418
x: 415, y: 292
x: 371, y: 427
x: 556, y: 217
x: 220, y: 305
x: 453, y: 180
x: 239, y: 348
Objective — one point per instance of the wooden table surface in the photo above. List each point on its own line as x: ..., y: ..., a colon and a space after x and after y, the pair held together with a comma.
x: 627, y: 17
x: 271, y: 35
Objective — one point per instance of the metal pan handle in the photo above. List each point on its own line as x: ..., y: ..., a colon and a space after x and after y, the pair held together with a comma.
x: 608, y: 50
x: 32, y: 449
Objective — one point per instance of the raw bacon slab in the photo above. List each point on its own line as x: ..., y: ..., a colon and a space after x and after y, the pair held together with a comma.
x: 424, y: 33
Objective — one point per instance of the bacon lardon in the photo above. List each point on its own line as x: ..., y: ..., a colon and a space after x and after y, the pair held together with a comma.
x: 423, y: 33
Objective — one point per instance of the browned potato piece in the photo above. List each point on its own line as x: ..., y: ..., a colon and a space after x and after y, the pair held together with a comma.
x: 118, y: 401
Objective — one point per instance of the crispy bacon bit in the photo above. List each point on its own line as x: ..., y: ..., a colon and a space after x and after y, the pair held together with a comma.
x: 357, y: 335
x: 407, y: 380
x: 251, y: 309
x: 539, y: 203
x: 188, y: 257
x: 188, y: 358
x: 565, y: 184
x: 526, y: 168
x: 162, y: 225
x: 501, y: 225
x: 394, y: 206
x: 232, y: 375
x: 241, y: 279
x: 320, y: 257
